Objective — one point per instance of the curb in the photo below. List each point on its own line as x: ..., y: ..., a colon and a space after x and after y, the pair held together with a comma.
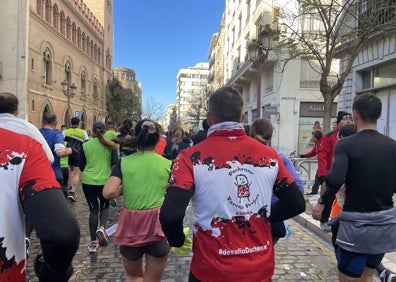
x: 313, y: 225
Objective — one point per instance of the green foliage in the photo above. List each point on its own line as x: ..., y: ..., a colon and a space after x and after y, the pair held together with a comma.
x: 121, y: 103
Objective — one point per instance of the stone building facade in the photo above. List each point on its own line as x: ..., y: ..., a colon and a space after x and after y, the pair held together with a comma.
x: 68, y: 45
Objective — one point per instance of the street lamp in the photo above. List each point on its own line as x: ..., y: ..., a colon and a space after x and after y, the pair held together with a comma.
x: 259, y: 48
x: 258, y: 52
x: 69, y: 90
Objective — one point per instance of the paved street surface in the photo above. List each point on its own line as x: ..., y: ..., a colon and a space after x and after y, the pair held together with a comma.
x: 304, y: 256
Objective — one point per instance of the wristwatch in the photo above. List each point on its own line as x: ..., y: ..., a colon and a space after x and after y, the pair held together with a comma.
x: 320, y: 201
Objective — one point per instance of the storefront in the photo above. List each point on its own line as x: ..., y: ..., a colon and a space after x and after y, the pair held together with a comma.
x: 310, y: 112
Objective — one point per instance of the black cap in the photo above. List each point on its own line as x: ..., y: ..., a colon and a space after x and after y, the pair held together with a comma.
x: 341, y: 115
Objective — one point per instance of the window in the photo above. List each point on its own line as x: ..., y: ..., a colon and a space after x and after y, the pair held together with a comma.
x: 39, y: 7
x: 48, y: 11
x: 379, y: 76
x: 68, y: 28
x: 99, y: 55
x: 108, y: 58
x: 62, y: 22
x: 366, y: 79
x: 74, y: 33
x: 32, y: 64
x: 68, y: 74
x: 83, y: 83
x: 79, y: 37
x: 95, y: 88
x: 47, y: 67
x: 95, y: 52
x: 92, y: 49
x: 47, y: 109
x: 55, y: 17
x: 309, y: 73
x: 84, y: 42
x: 88, y: 46
x: 384, y: 75
x: 373, y: 12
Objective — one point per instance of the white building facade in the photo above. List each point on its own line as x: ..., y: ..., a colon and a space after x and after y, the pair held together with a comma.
x: 288, y: 94
x: 191, y: 93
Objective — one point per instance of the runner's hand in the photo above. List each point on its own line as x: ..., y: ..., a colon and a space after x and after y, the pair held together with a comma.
x: 317, y: 211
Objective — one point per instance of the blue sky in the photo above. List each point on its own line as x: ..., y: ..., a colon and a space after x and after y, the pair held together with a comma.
x: 156, y: 38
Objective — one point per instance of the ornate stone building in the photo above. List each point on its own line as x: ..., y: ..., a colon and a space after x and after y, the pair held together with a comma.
x: 64, y: 52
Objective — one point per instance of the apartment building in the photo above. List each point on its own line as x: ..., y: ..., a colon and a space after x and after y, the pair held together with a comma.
x: 191, y: 95
x: 288, y: 94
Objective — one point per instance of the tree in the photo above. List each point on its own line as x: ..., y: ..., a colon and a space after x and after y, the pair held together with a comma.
x: 153, y: 110
x: 121, y: 103
x: 322, y: 30
x: 198, y: 105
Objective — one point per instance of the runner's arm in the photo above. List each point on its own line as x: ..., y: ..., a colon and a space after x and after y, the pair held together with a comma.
x: 58, y: 231
x: 172, y: 214
x: 114, y: 158
x: 83, y: 160
x: 291, y: 203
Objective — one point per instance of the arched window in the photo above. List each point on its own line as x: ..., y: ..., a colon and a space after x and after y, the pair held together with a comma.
x: 84, y: 41
x: 99, y: 55
x: 48, y: 8
x: 79, y: 37
x: 83, y: 120
x: 96, y: 52
x: 47, y: 109
x: 88, y: 45
x: 62, y: 22
x: 83, y: 83
x: 68, y: 28
x: 47, y: 67
x: 74, y: 33
x: 95, y: 88
x: 39, y: 7
x: 108, y: 58
x: 55, y: 17
x: 68, y: 73
x: 92, y: 49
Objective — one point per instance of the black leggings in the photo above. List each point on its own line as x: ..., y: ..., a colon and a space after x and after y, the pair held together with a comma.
x: 98, y: 207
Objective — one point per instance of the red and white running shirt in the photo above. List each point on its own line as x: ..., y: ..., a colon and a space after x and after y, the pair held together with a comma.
x: 232, y: 177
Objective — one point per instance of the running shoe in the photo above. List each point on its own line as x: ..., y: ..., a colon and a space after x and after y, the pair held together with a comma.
x: 71, y: 197
x: 325, y: 227
x: 102, y: 236
x: 27, y: 243
x: 93, y: 246
x: 387, y: 276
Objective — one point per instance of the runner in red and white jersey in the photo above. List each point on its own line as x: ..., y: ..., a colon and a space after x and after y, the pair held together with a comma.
x: 230, y: 178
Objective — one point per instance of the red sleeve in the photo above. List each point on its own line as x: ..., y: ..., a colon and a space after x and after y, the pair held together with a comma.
x: 37, y: 173
x: 312, y: 153
x: 160, y: 146
x: 324, y: 150
x: 182, y: 175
